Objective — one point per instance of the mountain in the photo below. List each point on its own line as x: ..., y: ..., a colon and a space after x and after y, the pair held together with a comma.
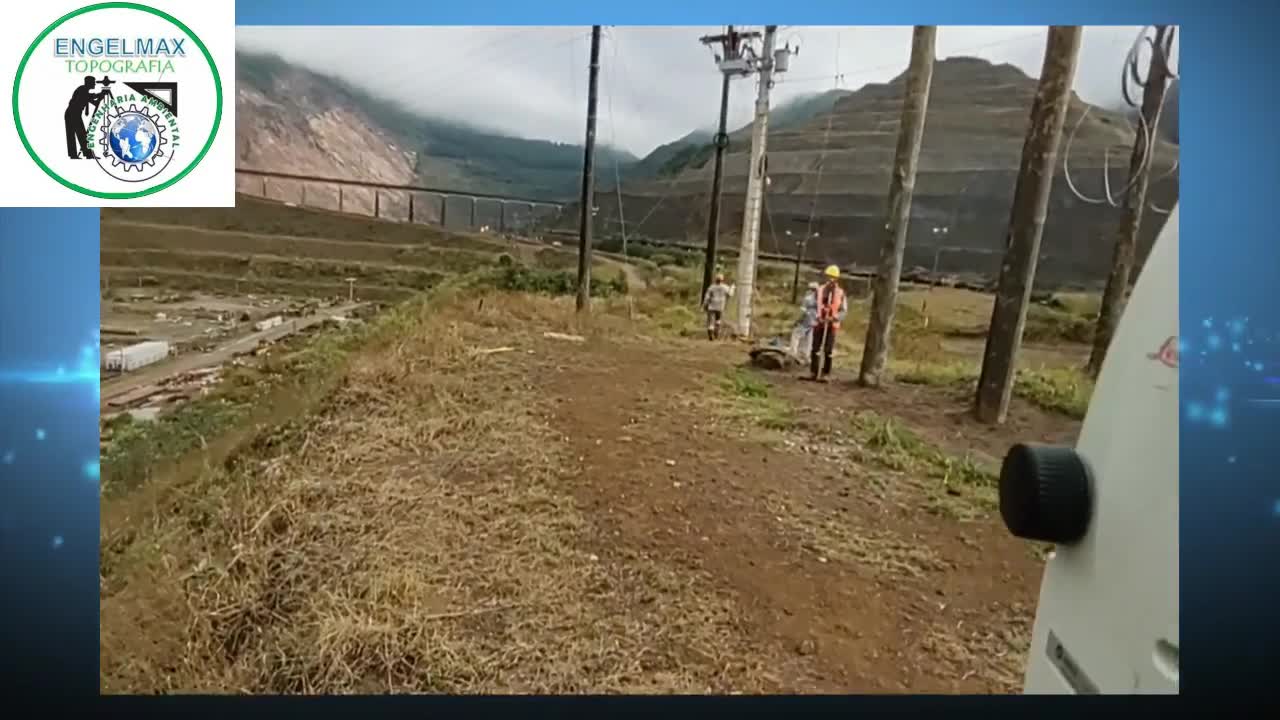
x: 804, y: 108
x: 694, y: 149
x: 834, y: 169
x: 294, y: 120
x: 656, y: 162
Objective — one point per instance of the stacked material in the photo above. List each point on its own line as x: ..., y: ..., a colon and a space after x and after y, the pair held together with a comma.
x: 136, y: 356
x: 269, y: 323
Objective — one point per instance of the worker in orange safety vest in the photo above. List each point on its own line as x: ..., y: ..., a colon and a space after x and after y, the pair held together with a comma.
x: 832, y: 306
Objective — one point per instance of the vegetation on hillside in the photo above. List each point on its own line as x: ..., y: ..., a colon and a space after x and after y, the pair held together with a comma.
x: 695, y: 149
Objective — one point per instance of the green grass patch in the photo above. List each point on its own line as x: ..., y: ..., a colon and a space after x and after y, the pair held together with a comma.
x: 753, y: 400
x: 966, y: 488
x: 1045, y: 324
x: 1050, y: 325
x: 1061, y: 390
x: 1085, y: 305
x: 513, y: 277
x: 935, y: 374
x: 899, y: 448
x: 1065, y: 391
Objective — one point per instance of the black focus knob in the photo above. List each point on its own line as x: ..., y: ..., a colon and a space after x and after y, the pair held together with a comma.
x: 1046, y: 493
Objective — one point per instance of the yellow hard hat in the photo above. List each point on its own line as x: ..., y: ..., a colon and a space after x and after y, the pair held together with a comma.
x: 832, y: 271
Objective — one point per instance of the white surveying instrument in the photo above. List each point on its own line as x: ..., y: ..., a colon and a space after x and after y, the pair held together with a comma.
x: 1107, y: 620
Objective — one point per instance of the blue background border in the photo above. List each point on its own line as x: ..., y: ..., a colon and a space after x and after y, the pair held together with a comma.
x: 49, y: 307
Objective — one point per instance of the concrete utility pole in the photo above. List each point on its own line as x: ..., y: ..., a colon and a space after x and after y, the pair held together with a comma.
x: 588, y: 179
x: 915, y: 106
x: 1135, y: 199
x: 730, y: 43
x: 746, y: 279
x: 1026, y: 223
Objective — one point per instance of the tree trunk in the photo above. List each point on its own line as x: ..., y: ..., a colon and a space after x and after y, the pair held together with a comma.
x: 915, y: 104
x: 1026, y: 223
x: 1124, y: 256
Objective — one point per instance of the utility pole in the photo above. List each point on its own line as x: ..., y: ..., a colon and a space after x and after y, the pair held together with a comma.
x: 915, y: 106
x: 1135, y: 199
x: 729, y: 43
x: 1026, y: 223
x: 585, y: 220
x: 795, y: 279
x: 801, y: 245
x: 746, y: 279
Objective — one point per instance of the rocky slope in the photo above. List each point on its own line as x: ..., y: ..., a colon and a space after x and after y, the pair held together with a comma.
x: 836, y: 167
x: 293, y: 120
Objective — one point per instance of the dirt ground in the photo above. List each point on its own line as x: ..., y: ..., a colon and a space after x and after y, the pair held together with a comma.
x: 562, y: 516
x: 869, y: 590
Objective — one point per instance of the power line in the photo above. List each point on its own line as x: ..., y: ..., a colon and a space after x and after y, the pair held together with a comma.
x: 840, y: 79
x: 1145, y: 133
x: 822, y: 156
x: 613, y: 137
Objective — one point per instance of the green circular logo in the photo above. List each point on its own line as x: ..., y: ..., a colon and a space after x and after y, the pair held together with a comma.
x: 213, y: 131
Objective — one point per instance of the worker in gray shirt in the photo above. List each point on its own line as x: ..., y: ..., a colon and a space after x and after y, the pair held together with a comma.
x: 713, y: 303
x: 802, y: 333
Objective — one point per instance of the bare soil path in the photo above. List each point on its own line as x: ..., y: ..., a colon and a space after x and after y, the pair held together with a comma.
x: 869, y: 589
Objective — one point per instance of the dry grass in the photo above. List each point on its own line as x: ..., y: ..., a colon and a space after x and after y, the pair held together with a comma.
x: 995, y: 650
x: 887, y: 553
x: 889, y: 464
x: 411, y: 528
x: 412, y: 534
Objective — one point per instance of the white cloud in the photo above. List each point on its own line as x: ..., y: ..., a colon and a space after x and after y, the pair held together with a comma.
x: 656, y: 83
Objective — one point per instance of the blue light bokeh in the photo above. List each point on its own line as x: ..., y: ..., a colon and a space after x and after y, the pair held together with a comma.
x: 48, y: 431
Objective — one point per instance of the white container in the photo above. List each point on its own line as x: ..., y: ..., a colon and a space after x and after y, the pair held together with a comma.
x: 269, y: 323
x: 136, y: 356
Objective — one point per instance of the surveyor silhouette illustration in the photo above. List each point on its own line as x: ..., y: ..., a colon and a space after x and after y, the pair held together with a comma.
x: 77, y: 108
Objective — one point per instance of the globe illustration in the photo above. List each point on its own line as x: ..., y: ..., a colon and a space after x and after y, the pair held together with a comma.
x: 133, y: 137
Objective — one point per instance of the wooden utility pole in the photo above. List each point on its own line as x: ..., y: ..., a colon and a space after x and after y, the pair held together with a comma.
x: 1135, y: 199
x: 915, y: 105
x: 1026, y: 222
x: 795, y: 279
x: 730, y: 43
x: 585, y: 220
x: 717, y: 181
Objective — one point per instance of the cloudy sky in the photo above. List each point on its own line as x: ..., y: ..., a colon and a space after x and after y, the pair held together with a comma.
x: 656, y: 83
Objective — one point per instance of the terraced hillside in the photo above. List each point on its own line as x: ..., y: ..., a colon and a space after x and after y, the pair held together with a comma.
x: 836, y: 167
x: 231, y: 288
x: 263, y: 246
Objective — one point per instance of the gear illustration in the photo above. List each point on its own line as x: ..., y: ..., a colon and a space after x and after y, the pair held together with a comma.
x: 127, y: 166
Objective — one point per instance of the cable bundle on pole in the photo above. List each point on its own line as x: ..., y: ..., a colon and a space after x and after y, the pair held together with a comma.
x: 1146, y: 132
